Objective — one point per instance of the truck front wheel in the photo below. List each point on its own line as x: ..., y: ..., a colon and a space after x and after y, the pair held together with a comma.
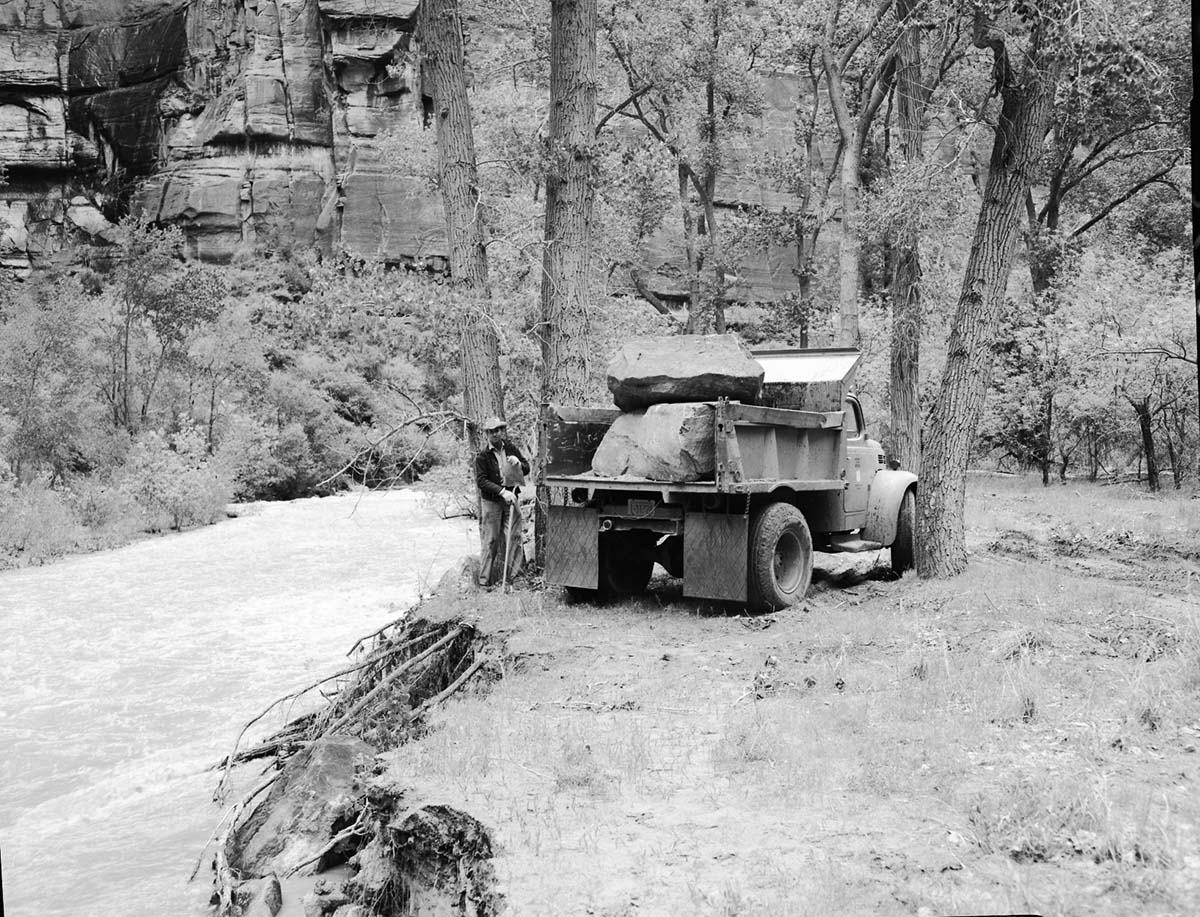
x: 626, y: 562
x: 781, y: 558
x: 903, y: 548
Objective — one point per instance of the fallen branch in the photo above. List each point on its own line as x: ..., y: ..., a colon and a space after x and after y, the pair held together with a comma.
x: 454, y: 686
x: 371, y: 636
x: 388, y: 680
x: 227, y: 882
x: 345, y: 834
x: 358, y: 666
x: 447, y: 418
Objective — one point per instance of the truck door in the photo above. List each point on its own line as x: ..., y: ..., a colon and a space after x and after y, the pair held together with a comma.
x: 860, y: 465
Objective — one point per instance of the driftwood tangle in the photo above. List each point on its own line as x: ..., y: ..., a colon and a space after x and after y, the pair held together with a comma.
x: 324, y: 812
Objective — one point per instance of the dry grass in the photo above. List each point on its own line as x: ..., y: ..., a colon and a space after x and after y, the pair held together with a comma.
x: 1021, y: 738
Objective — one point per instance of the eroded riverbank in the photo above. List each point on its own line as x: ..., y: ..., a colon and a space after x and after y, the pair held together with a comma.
x: 129, y: 672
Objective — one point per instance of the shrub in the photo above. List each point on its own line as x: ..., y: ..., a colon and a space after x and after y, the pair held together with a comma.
x: 36, y: 524
x: 174, y: 482
x: 110, y: 514
x: 246, y: 452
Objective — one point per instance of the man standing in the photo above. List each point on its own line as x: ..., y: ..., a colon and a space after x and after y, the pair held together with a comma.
x: 500, y: 471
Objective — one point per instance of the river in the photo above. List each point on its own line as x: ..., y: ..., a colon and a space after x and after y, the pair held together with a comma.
x: 126, y: 674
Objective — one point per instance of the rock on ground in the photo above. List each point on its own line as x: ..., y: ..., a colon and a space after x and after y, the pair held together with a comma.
x: 683, y: 368
x: 317, y: 791
x: 665, y: 442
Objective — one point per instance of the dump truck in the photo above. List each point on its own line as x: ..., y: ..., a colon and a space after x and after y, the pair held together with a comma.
x: 793, y: 472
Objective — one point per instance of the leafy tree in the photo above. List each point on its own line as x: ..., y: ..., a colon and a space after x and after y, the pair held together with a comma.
x: 1029, y: 44
x: 689, y: 82
x: 45, y: 418
x: 223, y: 361
x: 854, y: 113
x: 155, y: 305
x: 1119, y: 129
x: 1148, y: 350
x: 570, y: 197
x: 439, y: 26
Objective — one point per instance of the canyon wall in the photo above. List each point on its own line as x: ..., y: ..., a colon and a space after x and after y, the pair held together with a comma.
x: 255, y: 125
x: 251, y: 123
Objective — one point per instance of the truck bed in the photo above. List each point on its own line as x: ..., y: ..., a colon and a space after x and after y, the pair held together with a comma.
x: 758, y: 449
x: 593, y: 481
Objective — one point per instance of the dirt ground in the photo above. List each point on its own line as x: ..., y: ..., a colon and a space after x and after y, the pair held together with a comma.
x: 1020, y: 739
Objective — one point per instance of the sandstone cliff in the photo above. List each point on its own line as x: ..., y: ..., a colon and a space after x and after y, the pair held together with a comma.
x: 249, y: 122
x: 253, y: 124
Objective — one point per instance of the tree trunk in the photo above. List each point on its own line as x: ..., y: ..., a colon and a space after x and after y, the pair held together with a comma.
x: 440, y: 29
x: 906, y: 283
x: 570, y: 194
x: 845, y: 319
x: 1046, y: 443
x: 1026, y: 100
x: 1173, y: 457
x: 1146, y: 424
x: 689, y: 248
x: 846, y: 332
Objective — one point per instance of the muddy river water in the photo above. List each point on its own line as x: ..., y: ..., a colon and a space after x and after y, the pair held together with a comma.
x: 125, y: 675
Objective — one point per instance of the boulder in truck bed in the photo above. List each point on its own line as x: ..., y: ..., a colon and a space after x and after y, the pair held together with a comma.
x: 665, y: 442
x: 683, y: 368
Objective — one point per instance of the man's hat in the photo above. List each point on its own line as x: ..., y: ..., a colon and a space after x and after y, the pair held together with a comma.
x: 493, y: 423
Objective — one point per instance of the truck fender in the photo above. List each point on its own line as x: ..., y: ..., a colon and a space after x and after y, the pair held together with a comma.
x: 887, y: 491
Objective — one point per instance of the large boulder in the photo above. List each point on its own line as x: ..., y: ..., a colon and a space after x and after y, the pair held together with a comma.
x: 665, y: 442
x: 683, y: 368
x: 316, y: 795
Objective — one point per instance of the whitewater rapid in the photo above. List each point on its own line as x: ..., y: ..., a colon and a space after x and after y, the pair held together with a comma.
x: 126, y: 674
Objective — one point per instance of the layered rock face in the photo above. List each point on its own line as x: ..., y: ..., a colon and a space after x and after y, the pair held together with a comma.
x: 256, y: 125
x: 252, y: 123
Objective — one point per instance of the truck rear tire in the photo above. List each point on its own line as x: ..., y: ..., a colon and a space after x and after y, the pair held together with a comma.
x: 781, y: 558
x: 626, y: 562
x: 903, y: 548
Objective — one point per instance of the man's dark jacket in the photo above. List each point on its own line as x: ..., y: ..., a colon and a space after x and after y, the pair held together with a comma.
x: 487, y: 470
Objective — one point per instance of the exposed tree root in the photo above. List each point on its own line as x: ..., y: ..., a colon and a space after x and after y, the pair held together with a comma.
x: 430, y: 858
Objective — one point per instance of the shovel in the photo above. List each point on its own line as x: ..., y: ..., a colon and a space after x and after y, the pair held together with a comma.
x: 512, y: 513
x: 513, y: 477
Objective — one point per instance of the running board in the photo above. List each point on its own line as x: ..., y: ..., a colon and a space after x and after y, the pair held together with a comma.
x: 839, y: 544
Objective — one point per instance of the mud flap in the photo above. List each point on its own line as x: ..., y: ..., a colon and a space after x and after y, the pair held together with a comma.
x: 714, y: 556
x: 573, y: 547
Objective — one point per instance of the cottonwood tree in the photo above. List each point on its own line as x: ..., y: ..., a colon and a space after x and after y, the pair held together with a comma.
x: 44, y: 415
x: 1029, y: 45
x: 570, y: 200
x: 931, y: 42
x: 1146, y: 352
x: 155, y: 307
x: 1119, y: 128
x: 439, y: 30
x: 688, y: 80
x: 853, y: 112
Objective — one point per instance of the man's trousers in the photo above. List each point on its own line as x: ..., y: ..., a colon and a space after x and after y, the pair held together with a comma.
x: 494, y: 521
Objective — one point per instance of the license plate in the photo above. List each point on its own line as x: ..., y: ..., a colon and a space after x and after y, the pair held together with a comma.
x: 641, y: 507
